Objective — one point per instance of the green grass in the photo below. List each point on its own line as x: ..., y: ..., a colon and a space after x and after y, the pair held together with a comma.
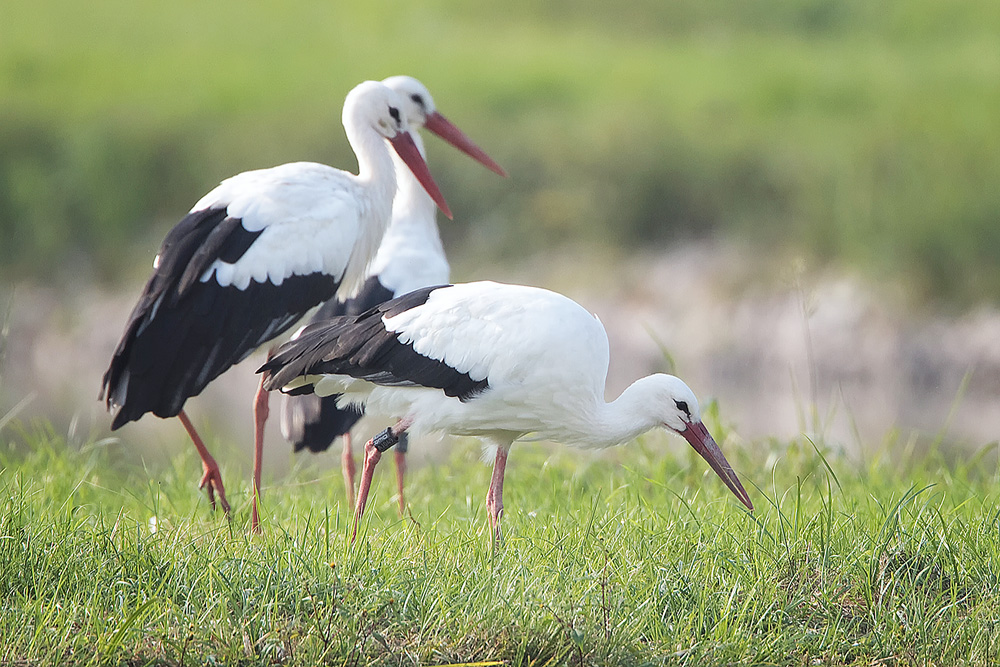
x: 856, y: 132
x: 637, y: 556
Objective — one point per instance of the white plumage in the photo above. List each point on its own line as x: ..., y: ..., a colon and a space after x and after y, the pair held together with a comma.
x: 495, y: 361
x: 292, y: 206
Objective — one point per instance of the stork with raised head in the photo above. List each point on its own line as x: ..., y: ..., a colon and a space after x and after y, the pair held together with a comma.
x: 250, y: 259
x: 489, y: 360
x: 411, y: 256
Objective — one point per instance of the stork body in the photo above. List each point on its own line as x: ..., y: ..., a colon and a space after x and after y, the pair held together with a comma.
x: 411, y: 256
x: 489, y: 360
x: 249, y: 260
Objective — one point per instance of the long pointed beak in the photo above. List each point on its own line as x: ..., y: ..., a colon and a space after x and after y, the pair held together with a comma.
x: 403, y: 144
x: 443, y: 127
x: 704, y: 444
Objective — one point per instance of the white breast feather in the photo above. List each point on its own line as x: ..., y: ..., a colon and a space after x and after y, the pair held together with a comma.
x: 411, y: 255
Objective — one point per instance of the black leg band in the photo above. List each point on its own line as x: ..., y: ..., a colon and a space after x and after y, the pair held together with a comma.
x: 404, y: 442
x: 385, y: 439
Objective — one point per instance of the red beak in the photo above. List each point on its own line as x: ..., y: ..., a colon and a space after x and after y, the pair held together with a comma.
x: 408, y: 152
x: 704, y: 444
x: 442, y: 127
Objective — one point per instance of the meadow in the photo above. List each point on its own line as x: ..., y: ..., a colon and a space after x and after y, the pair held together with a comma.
x: 637, y: 556
x: 860, y: 136
x: 856, y: 133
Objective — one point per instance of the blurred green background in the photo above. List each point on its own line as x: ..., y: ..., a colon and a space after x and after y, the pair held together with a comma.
x: 856, y: 132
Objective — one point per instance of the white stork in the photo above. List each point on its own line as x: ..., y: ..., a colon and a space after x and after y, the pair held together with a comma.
x: 411, y: 256
x: 249, y: 260
x: 494, y: 361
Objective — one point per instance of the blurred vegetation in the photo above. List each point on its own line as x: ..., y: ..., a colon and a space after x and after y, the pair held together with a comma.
x: 859, y: 132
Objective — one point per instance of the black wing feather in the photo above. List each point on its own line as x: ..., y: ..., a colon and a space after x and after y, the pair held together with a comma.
x: 361, y: 347
x: 314, y: 422
x: 183, y: 333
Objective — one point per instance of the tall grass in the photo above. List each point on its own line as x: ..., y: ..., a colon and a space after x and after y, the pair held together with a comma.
x: 637, y: 556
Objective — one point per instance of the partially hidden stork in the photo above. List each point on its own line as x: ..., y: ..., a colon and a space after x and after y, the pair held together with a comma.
x: 411, y: 256
x: 250, y: 259
x: 489, y: 360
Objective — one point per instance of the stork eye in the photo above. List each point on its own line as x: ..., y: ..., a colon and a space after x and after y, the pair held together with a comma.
x: 683, y: 407
x: 417, y: 98
x: 394, y: 112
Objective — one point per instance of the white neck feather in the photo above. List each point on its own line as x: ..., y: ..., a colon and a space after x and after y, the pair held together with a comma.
x: 598, y: 424
x: 377, y: 186
x: 626, y: 417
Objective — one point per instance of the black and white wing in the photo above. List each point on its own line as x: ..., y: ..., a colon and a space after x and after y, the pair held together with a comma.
x: 243, y: 266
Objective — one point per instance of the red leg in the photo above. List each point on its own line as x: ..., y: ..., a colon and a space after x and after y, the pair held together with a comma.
x: 400, y: 457
x: 347, y: 465
x: 372, y: 456
x: 211, y: 481
x: 494, y: 497
x: 260, y: 413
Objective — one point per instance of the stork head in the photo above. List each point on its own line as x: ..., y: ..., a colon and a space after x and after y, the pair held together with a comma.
x: 417, y: 101
x: 421, y: 112
x: 377, y: 106
x: 679, y: 412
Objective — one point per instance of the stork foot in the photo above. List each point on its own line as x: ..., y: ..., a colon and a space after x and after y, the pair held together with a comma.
x: 494, y: 511
x: 254, y: 518
x: 211, y: 482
